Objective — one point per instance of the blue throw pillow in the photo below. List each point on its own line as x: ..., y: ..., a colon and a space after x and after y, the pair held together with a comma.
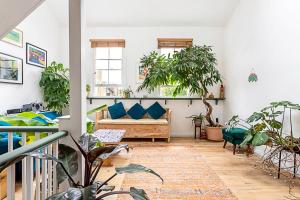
x: 117, y: 111
x: 156, y: 111
x: 136, y: 111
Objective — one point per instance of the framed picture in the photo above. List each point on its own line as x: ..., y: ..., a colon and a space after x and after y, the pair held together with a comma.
x: 14, y: 37
x: 36, y: 56
x: 11, y: 69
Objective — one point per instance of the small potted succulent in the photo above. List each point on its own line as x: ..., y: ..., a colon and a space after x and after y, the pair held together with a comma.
x: 127, y: 92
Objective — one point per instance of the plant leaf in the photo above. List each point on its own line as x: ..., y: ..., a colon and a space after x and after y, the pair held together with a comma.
x: 116, y: 150
x: 138, y: 194
x: 97, y: 109
x: 247, y: 139
x: 69, y: 158
x: 134, y: 168
x: 87, y: 142
x: 87, y: 193
x: 260, y: 139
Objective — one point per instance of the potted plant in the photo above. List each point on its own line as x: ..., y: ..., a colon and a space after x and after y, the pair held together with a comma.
x: 55, y: 87
x: 88, y: 89
x: 93, y: 157
x: 127, y: 92
x: 197, y: 119
x: 192, y: 68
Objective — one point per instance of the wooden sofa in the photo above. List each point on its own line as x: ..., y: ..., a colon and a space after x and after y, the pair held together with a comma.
x: 142, y: 128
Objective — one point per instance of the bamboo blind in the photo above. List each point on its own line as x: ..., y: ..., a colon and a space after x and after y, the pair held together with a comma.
x: 174, y: 42
x: 107, y: 43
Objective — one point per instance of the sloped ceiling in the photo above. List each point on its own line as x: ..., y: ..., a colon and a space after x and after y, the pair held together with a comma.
x: 12, y: 12
x: 151, y: 12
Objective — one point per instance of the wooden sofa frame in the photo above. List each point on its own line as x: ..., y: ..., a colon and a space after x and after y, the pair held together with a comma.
x: 138, y: 130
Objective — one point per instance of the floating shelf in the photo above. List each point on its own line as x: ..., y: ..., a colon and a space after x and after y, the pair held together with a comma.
x: 166, y: 99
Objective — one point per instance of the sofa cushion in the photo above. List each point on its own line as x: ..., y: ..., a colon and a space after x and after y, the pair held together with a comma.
x: 135, y: 122
x: 136, y: 111
x: 117, y: 111
x: 156, y: 111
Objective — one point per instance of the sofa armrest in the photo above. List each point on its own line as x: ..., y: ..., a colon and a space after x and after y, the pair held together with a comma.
x: 169, y: 116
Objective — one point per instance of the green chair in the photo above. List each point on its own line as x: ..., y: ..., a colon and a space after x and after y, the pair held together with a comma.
x: 234, y: 135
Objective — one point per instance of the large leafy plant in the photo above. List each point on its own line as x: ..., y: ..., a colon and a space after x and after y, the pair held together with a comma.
x: 90, y: 188
x: 268, y: 125
x: 55, y: 87
x: 192, y: 68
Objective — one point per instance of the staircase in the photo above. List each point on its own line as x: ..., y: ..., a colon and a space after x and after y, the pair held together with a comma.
x: 12, y: 12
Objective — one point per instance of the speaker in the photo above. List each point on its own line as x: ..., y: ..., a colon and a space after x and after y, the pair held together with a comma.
x: 14, y: 111
x: 33, y: 107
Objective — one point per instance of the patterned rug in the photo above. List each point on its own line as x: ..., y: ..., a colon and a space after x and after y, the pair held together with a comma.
x: 185, y: 171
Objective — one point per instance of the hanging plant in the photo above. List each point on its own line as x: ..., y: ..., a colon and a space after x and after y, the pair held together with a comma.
x: 252, y: 77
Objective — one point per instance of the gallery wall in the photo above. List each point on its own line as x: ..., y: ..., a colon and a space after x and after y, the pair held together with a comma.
x: 143, y: 40
x: 43, y: 30
x: 263, y: 35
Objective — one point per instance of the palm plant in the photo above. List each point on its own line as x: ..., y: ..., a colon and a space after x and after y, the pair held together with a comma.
x: 192, y: 68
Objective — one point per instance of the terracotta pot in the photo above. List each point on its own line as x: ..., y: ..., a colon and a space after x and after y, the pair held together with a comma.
x: 214, y: 133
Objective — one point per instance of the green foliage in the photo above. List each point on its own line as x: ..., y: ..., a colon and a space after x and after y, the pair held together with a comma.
x: 267, y: 125
x: 88, y: 88
x: 192, y: 68
x: 93, y: 158
x: 55, y: 86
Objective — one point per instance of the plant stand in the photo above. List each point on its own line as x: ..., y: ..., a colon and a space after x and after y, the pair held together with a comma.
x: 198, y: 126
x: 295, y: 162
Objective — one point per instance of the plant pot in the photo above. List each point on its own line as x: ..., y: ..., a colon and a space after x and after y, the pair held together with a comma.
x: 198, y: 122
x: 214, y: 133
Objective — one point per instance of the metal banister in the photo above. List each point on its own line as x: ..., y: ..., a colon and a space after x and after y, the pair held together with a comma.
x: 29, y: 129
x: 31, y: 147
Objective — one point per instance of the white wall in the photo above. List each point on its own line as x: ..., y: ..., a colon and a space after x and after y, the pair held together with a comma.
x: 264, y: 35
x: 43, y: 30
x: 142, y: 40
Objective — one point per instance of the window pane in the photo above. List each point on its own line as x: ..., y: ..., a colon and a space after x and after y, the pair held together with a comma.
x: 107, y: 91
x: 115, y: 53
x: 101, y: 76
x: 115, y: 77
x: 115, y: 64
x: 101, y: 64
x: 101, y: 53
x: 167, y: 91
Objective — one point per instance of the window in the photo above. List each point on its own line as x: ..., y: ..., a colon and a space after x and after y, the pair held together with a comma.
x: 168, y: 46
x: 108, y: 67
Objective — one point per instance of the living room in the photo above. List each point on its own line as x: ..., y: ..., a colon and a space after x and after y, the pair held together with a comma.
x: 125, y: 70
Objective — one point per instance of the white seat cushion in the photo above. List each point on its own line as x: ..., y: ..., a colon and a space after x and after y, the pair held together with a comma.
x: 133, y: 121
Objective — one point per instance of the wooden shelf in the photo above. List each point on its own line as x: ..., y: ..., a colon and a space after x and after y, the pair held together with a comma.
x: 166, y: 99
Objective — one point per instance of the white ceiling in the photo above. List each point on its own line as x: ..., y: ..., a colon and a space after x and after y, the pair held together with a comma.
x: 151, y: 12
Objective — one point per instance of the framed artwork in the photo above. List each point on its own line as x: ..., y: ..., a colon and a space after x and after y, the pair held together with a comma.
x: 36, y: 56
x: 14, y: 37
x: 11, y: 69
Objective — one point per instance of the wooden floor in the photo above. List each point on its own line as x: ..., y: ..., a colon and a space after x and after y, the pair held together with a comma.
x: 237, y: 172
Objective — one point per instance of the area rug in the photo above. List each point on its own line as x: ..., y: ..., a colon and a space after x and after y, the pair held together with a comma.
x: 185, y: 172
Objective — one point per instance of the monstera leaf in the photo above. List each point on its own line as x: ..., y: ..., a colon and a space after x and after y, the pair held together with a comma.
x: 87, y: 193
x: 138, y: 194
x: 134, y: 168
x: 260, y: 139
x: 247, y: 139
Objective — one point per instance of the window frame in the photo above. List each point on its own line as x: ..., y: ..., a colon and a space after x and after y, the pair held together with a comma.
x: 99, y: 85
